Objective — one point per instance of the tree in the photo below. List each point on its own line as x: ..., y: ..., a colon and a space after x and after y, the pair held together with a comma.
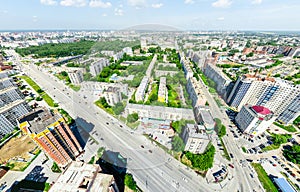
x: 104, y: 103
x: 202, y: 161
x: 131, y: 118
x: 292, y: 154
x: 177, y: 144
x: 118, y: 108
x: 64, y: 73
x: 130, y: 182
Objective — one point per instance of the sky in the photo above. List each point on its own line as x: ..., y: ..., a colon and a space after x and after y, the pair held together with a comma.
x: 120, y: 14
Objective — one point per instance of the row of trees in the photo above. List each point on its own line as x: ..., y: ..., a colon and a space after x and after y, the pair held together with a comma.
x: 221, y: 129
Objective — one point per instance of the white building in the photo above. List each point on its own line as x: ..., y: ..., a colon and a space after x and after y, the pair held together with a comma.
x: 195, y: 138
x: 162, y: 90
x: 195, y: 92
x: 101, y: 86
x: 140, y: 92
x: 76, y: 77
x: 97, y: 66
x: 83, y: 177
x: 254, y: 120
x: 112, y: 95
x: 274, y: 94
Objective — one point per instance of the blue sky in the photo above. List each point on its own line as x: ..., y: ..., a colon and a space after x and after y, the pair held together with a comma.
x: 182, y: 14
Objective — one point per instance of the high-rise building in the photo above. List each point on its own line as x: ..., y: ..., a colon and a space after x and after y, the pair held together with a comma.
x: 195, y: 138
x: 50, y: 131
x: 76, y: 77
x: 140, y: 92
x: 83, y: 177
x: 254, y: 120
x: 12, y: 105
x: 162, y: 90
x: 275, y: 94
x: 97, y: 66
x: 291, y: 112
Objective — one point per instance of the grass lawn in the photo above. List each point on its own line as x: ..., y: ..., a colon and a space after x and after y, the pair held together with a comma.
x: 289, y: 128
x: 173, y: 98
x: 74, y: 87
x: 264, y: 178
x: 133, y: 125
x: 108, y: 110
x: 44, y: 95
x: 226, y: 155
x: 271, y: 147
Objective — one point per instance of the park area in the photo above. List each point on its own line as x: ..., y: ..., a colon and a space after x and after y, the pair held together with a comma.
x: 18, y: 152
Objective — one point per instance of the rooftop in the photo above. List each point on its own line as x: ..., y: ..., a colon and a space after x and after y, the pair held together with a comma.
x: 39, y: 119
x: 82, y: 177
x: 284, y: 185
x: 261, y: 110
x: 196, y: 131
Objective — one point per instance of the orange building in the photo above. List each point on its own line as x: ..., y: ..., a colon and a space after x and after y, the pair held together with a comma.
x: 50, y: 131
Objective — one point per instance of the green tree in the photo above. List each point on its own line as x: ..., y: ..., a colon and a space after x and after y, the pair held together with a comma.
x: 177, y: 144
x: 131, y: 118
x: 202, y: 161
x: 292, y: 154
x: 118, y: 108
x: 64, y: 73
x: 130, y: 182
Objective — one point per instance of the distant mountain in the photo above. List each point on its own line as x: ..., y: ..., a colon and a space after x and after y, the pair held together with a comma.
x: 151, y: 27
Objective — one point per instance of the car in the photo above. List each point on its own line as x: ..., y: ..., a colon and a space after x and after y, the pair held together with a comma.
x: 274, y: 165
x: 150, y: 151
x: 107, y: 123
x: 121, y: 126
x: 231, y: 156
x: 142, y: 146
x: 274, y: 157
x: 251, y: 175
x: 230, y: 165
x: 293, y: 174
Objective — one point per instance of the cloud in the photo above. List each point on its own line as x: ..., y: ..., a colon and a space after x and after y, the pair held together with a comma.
x: 99, y: 3
x: 156, y: 6
x: 48, y: 2
x: 189, y: 1
x: 220, y: 18
x: 222, y: 3
x: 73, y: 3
x: 137, y: 3
x: 3, y: 11
x: 256, y: 2
x: 119, y: 12
x: 104, y: 15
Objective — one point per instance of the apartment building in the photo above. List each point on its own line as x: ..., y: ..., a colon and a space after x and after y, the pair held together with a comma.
x: 141, y: 90
x: 9, y: 113
x: 112, y: 95
x: 159, y: 112
x: 76, y: 77
x: 195, y: 93
x: 100, y: 86
x: 204, y: 117
x: 275, y: 94
x: 254, y: 120
x: 97, y: 66
x: 51, y: 132
x: 83, y: 177
x: 291, y: 112
x: 195, y: 138
x: 162, y: 90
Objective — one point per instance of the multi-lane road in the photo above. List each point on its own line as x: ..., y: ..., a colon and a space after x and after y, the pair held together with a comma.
x: 155, y: 170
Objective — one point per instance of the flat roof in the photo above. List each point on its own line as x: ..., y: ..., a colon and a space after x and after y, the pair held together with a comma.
x: 39, y: 119
x: 284, y: 185
x: 206, y: 116
x: 11, y: 105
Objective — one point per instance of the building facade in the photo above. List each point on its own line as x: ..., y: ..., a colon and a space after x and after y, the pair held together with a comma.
x: 101, y: 86
x: 112, y: 95
x: 97, y: 66
x: 159, y: 112
x: 162, y: 90
x: 195, y: 138
x: 204, y: 117
x: 291, y: 112
x: 194, y: 89
x: 76, y: 77
x: 254, y: 120
x: 141, y: 90
x: 51, y: 132
x: 274, y: 94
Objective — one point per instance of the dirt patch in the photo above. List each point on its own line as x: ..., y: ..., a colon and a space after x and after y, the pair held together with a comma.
x: 17, y: 147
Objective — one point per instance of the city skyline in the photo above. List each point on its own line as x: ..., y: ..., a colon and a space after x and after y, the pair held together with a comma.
x: 182, y: 14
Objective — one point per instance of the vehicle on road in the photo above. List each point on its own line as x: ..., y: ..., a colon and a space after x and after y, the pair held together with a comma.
x: 150, y: 150
x: 231, y: 156
x: 230, y: 165
x: 142, y: 146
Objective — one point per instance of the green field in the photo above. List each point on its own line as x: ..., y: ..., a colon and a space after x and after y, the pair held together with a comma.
x: 264, y: 178
x: 43, y: 94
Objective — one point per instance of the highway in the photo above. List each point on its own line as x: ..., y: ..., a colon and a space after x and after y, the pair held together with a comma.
x: 156, y: 171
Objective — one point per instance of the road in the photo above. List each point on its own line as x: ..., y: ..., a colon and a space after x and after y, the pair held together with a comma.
x: 156, y: 171
x: 242, y: 180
